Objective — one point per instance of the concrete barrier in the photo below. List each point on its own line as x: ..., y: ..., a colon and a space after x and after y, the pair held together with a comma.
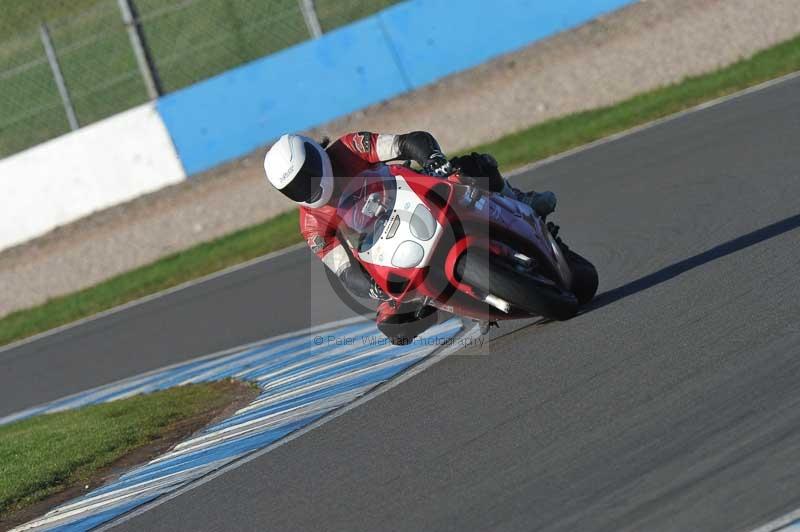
x: 409, y: 45
x: 95, y: 167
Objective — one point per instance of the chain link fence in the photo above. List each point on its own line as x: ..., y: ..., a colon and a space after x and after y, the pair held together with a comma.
x: 95, y: 56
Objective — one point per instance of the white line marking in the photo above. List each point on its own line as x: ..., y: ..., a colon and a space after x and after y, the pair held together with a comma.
x: 380, y: 389
x: 109, y: 499
x: 779, y: 523
x: 234, y: 431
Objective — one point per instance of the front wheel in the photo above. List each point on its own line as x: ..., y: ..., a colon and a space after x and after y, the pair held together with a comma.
x: 521, y: 290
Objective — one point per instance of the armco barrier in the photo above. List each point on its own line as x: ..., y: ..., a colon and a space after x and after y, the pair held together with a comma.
x: 59, y: 181
x: 401, y: 48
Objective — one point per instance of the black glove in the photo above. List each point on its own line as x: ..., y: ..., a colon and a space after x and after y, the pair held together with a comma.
x: 483, y: 166
x: 437, y: 165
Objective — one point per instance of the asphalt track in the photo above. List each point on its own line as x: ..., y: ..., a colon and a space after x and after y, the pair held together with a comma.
x: 671, y: 404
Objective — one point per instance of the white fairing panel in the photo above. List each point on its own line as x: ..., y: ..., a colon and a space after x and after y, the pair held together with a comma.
x: 408, y: 255
x: 398, y: 247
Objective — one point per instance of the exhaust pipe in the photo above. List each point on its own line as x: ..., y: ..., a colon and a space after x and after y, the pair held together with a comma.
x: 499, y: 304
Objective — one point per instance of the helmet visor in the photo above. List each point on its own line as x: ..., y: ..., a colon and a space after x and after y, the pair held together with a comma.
x: 305, y: 187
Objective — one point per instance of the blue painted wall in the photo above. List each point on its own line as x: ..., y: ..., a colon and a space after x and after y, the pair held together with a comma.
x: 404, y: 47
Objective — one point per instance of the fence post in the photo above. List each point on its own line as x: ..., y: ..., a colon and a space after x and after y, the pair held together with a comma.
x: 47, y: 42
x: 144, y: 59
x: 310, y: 16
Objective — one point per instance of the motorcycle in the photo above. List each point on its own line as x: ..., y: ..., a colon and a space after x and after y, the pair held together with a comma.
x: 448, y: 244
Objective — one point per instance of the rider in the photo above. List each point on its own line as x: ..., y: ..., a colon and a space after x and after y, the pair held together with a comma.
x: 313, y: 176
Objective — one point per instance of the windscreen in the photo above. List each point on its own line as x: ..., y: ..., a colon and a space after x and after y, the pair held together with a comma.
x: 364, y: 209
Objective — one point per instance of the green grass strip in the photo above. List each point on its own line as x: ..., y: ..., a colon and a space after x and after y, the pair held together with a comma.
x: 45, y: 454
x: 519, y: 148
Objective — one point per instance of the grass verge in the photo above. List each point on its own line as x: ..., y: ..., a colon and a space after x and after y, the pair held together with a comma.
x: 523, y: 147
x: 47, y: 454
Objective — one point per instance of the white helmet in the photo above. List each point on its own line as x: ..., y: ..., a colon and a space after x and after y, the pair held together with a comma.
x: 301, y: 170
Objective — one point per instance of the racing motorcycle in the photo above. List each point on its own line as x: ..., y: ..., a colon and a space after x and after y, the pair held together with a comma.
x: 449, y: 244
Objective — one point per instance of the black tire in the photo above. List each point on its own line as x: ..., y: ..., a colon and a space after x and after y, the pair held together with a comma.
x: 584, y: 276
x: 517, y: 288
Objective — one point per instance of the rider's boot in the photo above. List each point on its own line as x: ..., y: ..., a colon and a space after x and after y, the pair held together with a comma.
x: 543, y: 203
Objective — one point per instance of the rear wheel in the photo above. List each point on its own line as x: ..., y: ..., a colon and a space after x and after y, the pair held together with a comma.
x: 521, y: 290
